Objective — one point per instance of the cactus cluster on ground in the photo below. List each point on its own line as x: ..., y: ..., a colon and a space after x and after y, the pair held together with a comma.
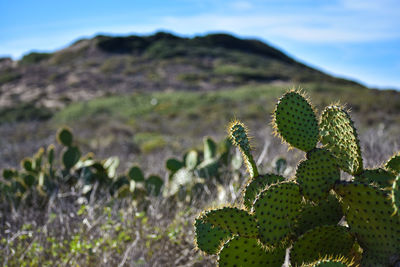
x: 51, y: 171
x: 316, y: 218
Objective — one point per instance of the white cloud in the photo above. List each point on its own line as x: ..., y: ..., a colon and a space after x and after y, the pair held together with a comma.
x: 242, y: 5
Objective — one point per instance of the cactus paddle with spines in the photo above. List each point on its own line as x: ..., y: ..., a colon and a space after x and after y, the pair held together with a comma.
x: 317, y: 174
x: 339, y: 135
x: 328, y: 240
x: 319, y: 219
x: 209, y: 238
x: 276, y: 209
x: 393, y: 164
x: 368, y: 213
x: 258, y: 184
x: 234, y: 220
x: 396, y: 195
x: 296, y: 122
x: 331, y: 261
x: 242, y: 251
x: 380, y: 177
x: 327, y: 212
x: 239, y: 137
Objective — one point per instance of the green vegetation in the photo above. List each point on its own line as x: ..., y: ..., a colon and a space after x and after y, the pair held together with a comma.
x: 279, y: 214
x: 34, y: 57
x: 9, y: 75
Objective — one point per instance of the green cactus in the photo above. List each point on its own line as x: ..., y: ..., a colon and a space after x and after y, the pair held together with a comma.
x: 191, y: 159
x: 327, y: 212
x: 330, y: 240
x: 395, y: 195
x: 234, y: 220
x: 380, y: 177
x: 65, y: 137
x: 257, y: 185
x: 274, y: 230
x: 393, y: 164
x: 368, y: 212
x: 209, y: 238
x: 200, y: 169
x: 210, y: 148
x: 322, y: 220
x: 317, y: 175
x: 243, y: 251
x: 339, y: 135
x: 295, y: 121
x: 239, y: 137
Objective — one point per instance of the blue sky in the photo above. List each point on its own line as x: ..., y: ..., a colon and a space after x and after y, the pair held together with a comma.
x: 357, y: 39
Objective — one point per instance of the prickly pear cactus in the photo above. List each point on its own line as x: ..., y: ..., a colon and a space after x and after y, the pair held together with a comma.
x: 393, y: 164
x: 368, y: 213
x: 242, y: 251
x: 317, y: 174
x: 323, y: 240
x: 319, y: 219
x: 238, y: 134
x: 276, y: 210
x: 296, y: 122
x: 396, y: 194
x: 339, y: 135
x: 258, y: 184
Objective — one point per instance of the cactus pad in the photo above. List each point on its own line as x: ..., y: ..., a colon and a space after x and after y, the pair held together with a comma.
x: 296, y: 122
x: 71, y: 156
x: 330, y: 261
x: 379, y: 177
x: 317, y: 175
x: 210, y: 148
x: 136, y: 174
x: 258, y: 184
x: 153, y: 185
x: 276, y: 209
x: 239, y: 137
x: 173, y: 165
x: 327, y: 212
x: 234, y: 220
x: 208, y: 168
x: 209, y: 239
x: 396, y: 194
x: 393, y: 164
x: 330, y: 240
x: 340, y: 137
x: 242, y: 251
x: 191, y: 159
x: 65, y: 137
x: 368, y: 212
x: 180, y: 178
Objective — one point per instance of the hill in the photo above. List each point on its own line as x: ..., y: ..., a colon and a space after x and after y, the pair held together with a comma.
x: 136, y: 95
x: 106, y: 65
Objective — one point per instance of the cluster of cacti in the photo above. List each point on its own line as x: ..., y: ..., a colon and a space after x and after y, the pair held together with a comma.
x: 316, y: 216
x: 197, y: 169
x: 36, y: 176
x: 40, y: 176
x: 134, y: 184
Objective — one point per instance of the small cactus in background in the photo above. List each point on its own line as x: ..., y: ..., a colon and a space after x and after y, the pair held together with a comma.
x: 187, y: 178
x: 305, y: 213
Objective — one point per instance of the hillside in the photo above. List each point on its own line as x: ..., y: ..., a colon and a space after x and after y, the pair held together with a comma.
x: 137, y: 96
x: 106, y: 65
